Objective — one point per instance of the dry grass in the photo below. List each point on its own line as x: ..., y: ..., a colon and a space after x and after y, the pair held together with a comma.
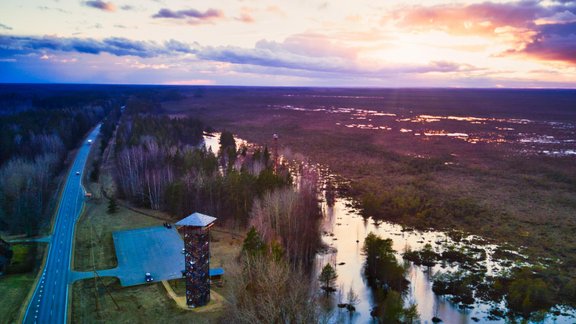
x: 137, y: 304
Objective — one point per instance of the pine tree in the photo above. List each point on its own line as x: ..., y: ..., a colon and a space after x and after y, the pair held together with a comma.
x: 327, y: 278
x: 253, y: 243
x: 112, y: 206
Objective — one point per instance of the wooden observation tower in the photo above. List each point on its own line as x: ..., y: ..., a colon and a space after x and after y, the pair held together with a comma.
x: 195, y: 229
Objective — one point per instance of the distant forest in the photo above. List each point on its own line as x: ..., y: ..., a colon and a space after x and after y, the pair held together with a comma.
x: 40, y: 124
x: 37, y: 131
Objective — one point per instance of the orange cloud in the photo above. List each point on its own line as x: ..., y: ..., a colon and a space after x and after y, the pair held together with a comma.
x: 246, y: 15
x: 276, y: 10
x: 477, y: 19
x: 527, y: 27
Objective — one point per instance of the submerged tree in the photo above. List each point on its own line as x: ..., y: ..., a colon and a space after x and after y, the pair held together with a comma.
x: 391, y: 310
x: 327, y: 278
x: 352, y: 300
x: 381, y: 268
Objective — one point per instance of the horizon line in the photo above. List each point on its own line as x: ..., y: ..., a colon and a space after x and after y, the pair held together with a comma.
x: 279, y: 86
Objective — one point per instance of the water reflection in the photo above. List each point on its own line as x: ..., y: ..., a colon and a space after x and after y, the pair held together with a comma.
x: 525, y: 136
x: 343, y: 227
x: 347, y: 226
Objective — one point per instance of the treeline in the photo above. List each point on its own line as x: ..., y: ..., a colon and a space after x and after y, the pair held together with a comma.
x: 162, y: 165
x: 33, y: 148
x: 107, y: 129
x: 29, y: 133
x: 264, y: 290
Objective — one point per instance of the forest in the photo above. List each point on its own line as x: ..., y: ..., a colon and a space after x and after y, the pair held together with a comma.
x: 162, y: 164
x: 36, y: 136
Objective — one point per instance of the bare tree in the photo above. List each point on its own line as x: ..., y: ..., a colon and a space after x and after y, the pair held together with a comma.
x: 290, y: 216
x: 265, y: 291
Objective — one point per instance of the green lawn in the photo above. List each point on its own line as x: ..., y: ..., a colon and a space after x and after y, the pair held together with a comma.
x: 19, y: 279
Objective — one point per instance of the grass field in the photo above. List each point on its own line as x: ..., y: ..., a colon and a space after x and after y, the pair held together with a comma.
x: 17, y: 283
x: 14, y: 289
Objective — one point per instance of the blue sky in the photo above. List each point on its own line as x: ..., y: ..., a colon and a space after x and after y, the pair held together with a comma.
x: 309, y: 43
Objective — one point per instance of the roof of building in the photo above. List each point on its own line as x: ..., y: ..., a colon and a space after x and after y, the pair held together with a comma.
x: 196, y: 219
x: 216, y: 272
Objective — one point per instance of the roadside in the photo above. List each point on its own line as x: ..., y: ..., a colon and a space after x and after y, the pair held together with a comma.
x: 30, y: 254
x: 19, y: 279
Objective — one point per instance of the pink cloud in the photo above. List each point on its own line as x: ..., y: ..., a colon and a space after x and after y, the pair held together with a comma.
x: 541, y: 32
x: 99, y: 4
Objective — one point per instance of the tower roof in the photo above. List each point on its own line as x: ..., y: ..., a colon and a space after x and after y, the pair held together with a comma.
x: 196, y: 219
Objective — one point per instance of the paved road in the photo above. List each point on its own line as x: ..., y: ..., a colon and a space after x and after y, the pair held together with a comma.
x: 49, y: 303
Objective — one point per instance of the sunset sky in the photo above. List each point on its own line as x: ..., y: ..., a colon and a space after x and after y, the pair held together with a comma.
x: 299, y: 42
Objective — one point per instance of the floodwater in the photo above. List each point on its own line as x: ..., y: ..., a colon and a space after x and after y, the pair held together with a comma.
x: 349, y: 229
x: 212, y: 142
x: 527, y: 136
x: 344, y: 230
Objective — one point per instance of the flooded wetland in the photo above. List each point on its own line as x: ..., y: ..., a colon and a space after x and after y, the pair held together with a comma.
x: 475, y: 189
